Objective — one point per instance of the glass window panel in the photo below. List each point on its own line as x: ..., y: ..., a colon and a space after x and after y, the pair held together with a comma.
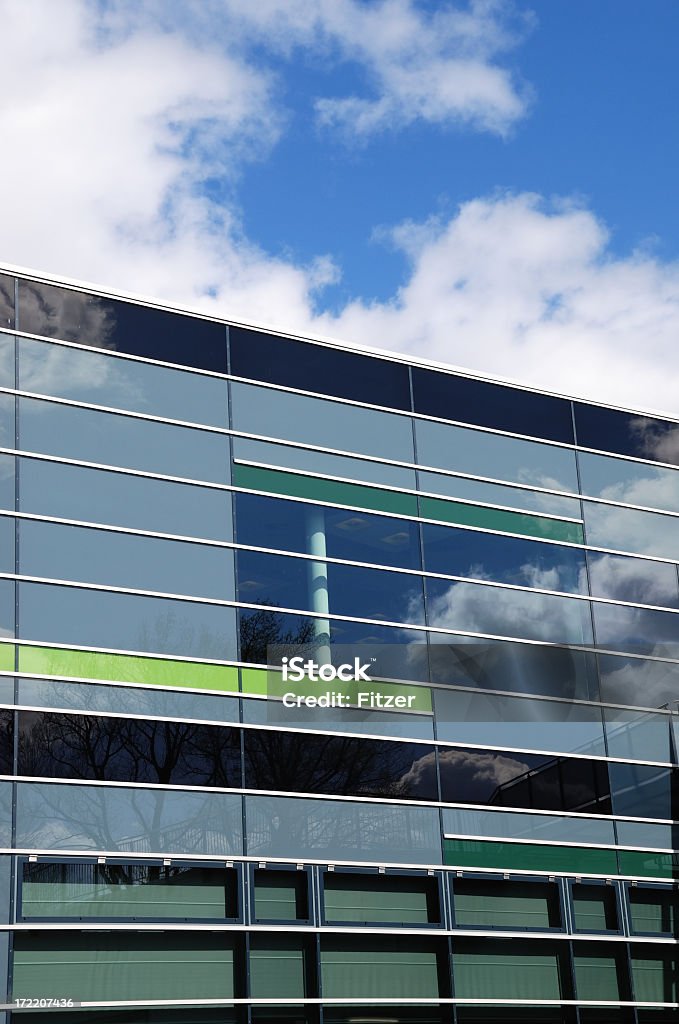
x: 529, y: 827
x: 6, y: 814
x: 483, y: 903
x: 654, y: 974
x: 7, y: 419
x: 626, y: 529
x: 626, y: 433
x: 277, y: 967
x: 509, y: 856
x: 102, y: 437
x: 7, y: 481
x: 6, y: 301
x: 600, y: 972
x: 491, y: 405
x: 380, y: 899
x: 641, y: 791
x: 485, y: 517
x: 95, y: 618
x: 323, y: 423
x: 7, y: 611
x: 638, y: 681
x: 486, y: 556
x: 595, y: 908
x: 350, y: 720
x: 631, y: 483
x: 308, y: 460
x: 97, y: 379
x: 653, y: 910
x: 356, y: 536
x: 544, y: 782
x: 638, y: 630
x: 468, y: 716
x: 84, y: 555
x: 306, y: 763
x: 280, y: 895
x: 499, y: 494
x: 294, y: 828
x: 636, y: 580
x: 125, y: 700
x: 319, y: 585
x: 488, y: 969
x: 516, y: 667
x: 7, y: 533
x: 310, y: 367
x: 121, y: 326
x: 637, y: 735
x: 7, y: 362
x: 472, y: 607
x: 118, y: 499
x: 137, y: 891
x: 5, y: 889
x: 372, y: 968
x: 502, y: 458
x: 644, y: 834
x: 55, y: 816
x: 118, y: 966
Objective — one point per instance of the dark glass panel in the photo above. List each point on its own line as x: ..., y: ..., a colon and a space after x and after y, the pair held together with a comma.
x: 637, y: 630
x: 319, y: 368
x: 518, y: 668
x: 516, y: 1015
x: 495, y: 903
x: 280, y: 895
x: 6, y: 741
x: 373, y: 1013
x: 187, y: 1015
x: 642, y: 791
x: 121, y: 326
x: 636, y: 580
x: 627, y: 433
x: 7, y: 320
x: 653, y: 910
x: 378, y: 898
x: 510, y: 969
x: 601, y: 972
x: 491, y: 405
x: 637, y: 681
x: 316, y: 585
x: 305, y: 763
x: 128, y: 750
x: 486, y: 556
x: 595, y: 907
x: 356, y: 536
x: 507, y: 779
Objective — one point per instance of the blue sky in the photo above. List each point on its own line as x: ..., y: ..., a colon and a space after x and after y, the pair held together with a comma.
x: 490, y: 183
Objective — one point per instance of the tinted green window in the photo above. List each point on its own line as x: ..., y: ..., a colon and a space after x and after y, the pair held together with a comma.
x: 594, y: 908
x: 121, y: 966
x: 653, y: 911
x: 499, y: 519
x: 382, y: 968
x: 654, y: 974
x: 277, y: 967
x: 599, y: 972
x: 523, y: 856
x: 514, y: 904
x: 509, y: 969
x: 380, y: 899
x: 281, y: 895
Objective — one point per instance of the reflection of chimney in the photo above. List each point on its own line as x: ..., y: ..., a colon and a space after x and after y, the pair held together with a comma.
x: 317, y: 569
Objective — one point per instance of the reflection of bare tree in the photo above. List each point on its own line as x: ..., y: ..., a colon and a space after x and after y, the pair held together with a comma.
x: 69, y: 315
x: 265, y: 628
x: 168, y: 633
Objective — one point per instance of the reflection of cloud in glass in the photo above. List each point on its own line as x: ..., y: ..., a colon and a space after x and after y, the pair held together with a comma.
x: 644, y: 533
x: 54, y: 370
x: 632, y: 579
x: 474, y: 772
x: 640, y: 683
x: 69, y: 315
x: 657, y: 439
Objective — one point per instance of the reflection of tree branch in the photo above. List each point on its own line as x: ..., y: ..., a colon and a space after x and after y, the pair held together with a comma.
x: 265, y: 628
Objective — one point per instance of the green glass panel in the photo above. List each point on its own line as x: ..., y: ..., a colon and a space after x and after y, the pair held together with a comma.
x: 295, y: 485
x: 654, y: 976
x: 134, y: 891
x: 276, y: 968
x: 376, y: 899
x: 528, y: 857
x: 123, y: 966
x: 641, y: 863
x: 653, y: 911
x: 497, y: 519
x: 269, y: 683
x: 491, y: 973
x: 126, y: 668
x: 596, y: 977
x: 280, y: 896
x: 377, y: 971
x: 505, y: 905
x: 6, y: 657
x: 594, y: 908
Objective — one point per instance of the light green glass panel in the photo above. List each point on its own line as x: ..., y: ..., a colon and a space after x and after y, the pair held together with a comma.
x: 6, y: 657
x: 126, y: 668
x: 378, y: 972
x: 594, y: 911
x: 276, y: 968
x: 640, y: 863
x: 295, y: 485
x: 195, y: 893
x: 527, y: 857
x: 506, y: 974
x: 485, y: 908
x: 352, y: 898
x: 275, y: 899
x: 269, y: 683
x: 654, y: 977
x: 596, y: 977
x: 498, y: 519
x: 653, y: 911
x: 123, y: 966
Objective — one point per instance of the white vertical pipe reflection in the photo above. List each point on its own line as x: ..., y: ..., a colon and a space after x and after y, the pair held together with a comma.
x: 318, y: 581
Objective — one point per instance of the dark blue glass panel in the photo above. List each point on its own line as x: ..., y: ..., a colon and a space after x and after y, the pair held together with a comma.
x: 636, y: 630
x: 6, y: 301
x: 324, y: 370
x: 641, y: 791
x: 121, y: 326
x: 487, y: 556
x: 627, y: 433
x: 491, y: 405
x: 356, y: 536
x: 351, y: 590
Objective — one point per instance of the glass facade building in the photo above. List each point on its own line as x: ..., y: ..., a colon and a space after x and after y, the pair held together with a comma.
x: 180, y: 496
